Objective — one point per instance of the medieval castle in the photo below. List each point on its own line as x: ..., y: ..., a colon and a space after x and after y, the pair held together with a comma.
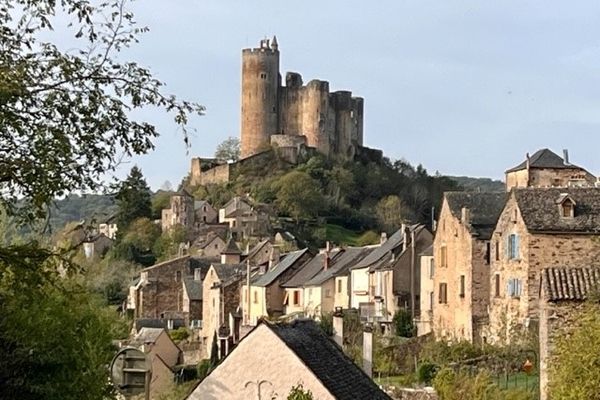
x: 292, y: 118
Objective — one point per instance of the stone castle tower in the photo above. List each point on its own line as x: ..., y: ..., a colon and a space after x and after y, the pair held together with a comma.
x: 295, y: 113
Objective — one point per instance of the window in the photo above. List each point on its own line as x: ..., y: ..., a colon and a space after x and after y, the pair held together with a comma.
x: 178, y: 276
x: 216, y: 246
x: 443, y: 294
x: 255, y: 297
x: 497, y: 250
x: 296, y: 297
x: 488, y: 251
x: 339, y: 286
x: 497, y: 285
x: 327, y: 293
x: 513, y: 247
x: 431, y: 295
x: 431, y: 268
x: 444, y: 256
x: 567, y: 209
x: 514, y: 288
x: 461, y: 292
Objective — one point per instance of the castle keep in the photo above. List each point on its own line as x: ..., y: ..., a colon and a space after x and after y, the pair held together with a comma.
x: 294, y: 114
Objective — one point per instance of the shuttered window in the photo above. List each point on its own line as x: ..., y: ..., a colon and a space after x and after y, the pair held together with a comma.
x: 443, y: 293
x: 514, y: 287
x: 513, y: 247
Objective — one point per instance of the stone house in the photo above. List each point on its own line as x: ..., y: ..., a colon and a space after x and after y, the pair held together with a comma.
x: 395, y: 283
x: 159, y: 293
x: 266, y: 296
x: 547, y: 169
x: 274, y: 357
x: 204, y: 213
x: 562, y: 294
x: 220, y: 298
x: 462, y: 252
x: 96, y: 245
x: 180, y: 212
x: 164, y: 355
x: 212, y: 246
x: 109, y: 227
x: 245, y: 219
x: 538, y: 228
x: 261, y: 253
x: 192, y: 300
x: 424, y: 320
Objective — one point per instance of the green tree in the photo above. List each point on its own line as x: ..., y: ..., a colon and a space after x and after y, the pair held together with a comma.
x: 138, y: 242
x: 167, y: 245
x: 298, y: 195
x: 403, y: 324
x: 228, y: 150
x: 574, y: 372
x: 391, y: 212
x: 160, y: 201
x: 299, y: 393
x: 133, y: 199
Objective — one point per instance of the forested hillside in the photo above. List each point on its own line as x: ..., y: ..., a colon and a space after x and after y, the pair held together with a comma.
x: 79, y: 207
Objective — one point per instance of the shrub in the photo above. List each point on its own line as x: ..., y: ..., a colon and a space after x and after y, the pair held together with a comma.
x: 427, y: 372
x: 179, y: 334
x: 403, y: 324
x: 451, y: 385
x: 326, y: 323
x: 298, y: 393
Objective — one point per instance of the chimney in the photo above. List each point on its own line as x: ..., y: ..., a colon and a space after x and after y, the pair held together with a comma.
x: 566, y: 156
x: 465, y: 216
x: 405, y: 236
x: 528, y: 161
x: 326, y: 256
x: 383, y: 238
x: 273, y: 257
x: 338, y: 326
x: 368, y: 350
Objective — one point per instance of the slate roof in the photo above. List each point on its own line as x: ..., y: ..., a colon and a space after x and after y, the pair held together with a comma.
x: 544, y: 158
x: 428, y: 252
x: 309, y: 270
x: 284, y: 264
x: 257, y: 248
x: 231, y: 248
x: 485, y: 209
x: 574, y: 284
x: 209, y: 240
x: 342, y: 378
x: 380, y: 251
x: 198, y: 204
x: 227, y: 271
x: 193, y: 288
x: 340, y: 264
x: 147, y: 335
x: 541, y: 212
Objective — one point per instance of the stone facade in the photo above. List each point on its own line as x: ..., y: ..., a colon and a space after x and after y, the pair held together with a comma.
x: 331, y: 122
x: 180, y: 212
x: 512, y: 308
x: 425, y: 318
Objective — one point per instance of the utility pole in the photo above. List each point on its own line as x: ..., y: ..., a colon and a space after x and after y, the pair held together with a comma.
x: 248, y: 292
x: 412, y: 273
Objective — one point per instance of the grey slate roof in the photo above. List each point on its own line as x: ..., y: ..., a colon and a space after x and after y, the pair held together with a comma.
x: 485, y: 209
x: 231, y: 248
x: 541, y: 212
x: 342, y: 378
x: 308, y: 270
x: 574, y: 284
x: 198, y: 204
x: 379, y: 252
x: 284, y: 264
x: 226, y: 272
x: 340, y: 264
x: 257, y: 248
x: 544, y: 158
x: 193, y: 288
x: 428, y: 252
x: 147, y: 335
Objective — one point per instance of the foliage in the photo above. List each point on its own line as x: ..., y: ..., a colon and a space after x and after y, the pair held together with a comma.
x: 228, y: 150
x: 65, y: 115
x: 298, y: 195
x: 298, y: 393
x: 573, y: 369
x: 403, y: 324
x: 426, y: 372
x: 137, y: 242
x: 133, y: 199
x: 177, y: 391
x: 109, y: 279
x: 368, y: 238
x: 326, y: 323
x: 391, y: 213
x: 167, y: 245
x: 479, y: 184
x: 160, y: 201
x: 204, y: 368
x: 214, y: 351
x: 451, y: 385
x: 179, y: 334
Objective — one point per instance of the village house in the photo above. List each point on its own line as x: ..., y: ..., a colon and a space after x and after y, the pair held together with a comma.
x: 179, y: 213
x: 212, y: 246
x: 563, y: 292
x: 274, y: 357
x: 245, y: 219
x: 395, y: 284
x: 343, y: 288
x: 204, y: 213
x: 221, y: 299
x: 160, y: 294
x: 461, y: 248
x: 266, y: 296
x: 261, y: 253
x: 547, y: 169
x: 424, y: 320
x: 163, y: 354
x: 109, y: 227
x: 96, y: 245
x: 537, y: 229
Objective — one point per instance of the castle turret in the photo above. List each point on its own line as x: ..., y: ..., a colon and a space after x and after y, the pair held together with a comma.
x: 260, y: 87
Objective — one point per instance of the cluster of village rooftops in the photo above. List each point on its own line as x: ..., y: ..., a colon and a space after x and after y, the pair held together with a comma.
x: 493, y: 267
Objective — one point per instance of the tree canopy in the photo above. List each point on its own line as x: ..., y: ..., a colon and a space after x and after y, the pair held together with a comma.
x: 228, y: 150
x: 133, y: 199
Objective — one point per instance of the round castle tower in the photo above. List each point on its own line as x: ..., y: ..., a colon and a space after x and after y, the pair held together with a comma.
x: 260, y: 87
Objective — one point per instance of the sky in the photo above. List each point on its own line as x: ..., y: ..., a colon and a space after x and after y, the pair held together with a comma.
x: 462, y: 87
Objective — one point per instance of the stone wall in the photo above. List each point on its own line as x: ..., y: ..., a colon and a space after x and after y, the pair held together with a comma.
x: 546, y: 177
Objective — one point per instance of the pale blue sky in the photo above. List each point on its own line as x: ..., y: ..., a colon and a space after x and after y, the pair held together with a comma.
x: 463, y: 87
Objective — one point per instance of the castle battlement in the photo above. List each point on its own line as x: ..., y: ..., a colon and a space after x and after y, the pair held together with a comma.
x: 331, y: 122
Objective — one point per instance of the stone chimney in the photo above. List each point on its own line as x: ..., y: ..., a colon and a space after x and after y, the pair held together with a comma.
x: 465, y: 216
x: 326, y: 255
x: 338, y: 326
x: 368, y: 350
x: 274, y: 257
x: 405, y: 236
x: 566, y: 156
x: 527, y: 161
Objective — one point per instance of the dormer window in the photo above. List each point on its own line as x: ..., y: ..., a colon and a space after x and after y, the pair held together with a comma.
x: 566, y: 206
